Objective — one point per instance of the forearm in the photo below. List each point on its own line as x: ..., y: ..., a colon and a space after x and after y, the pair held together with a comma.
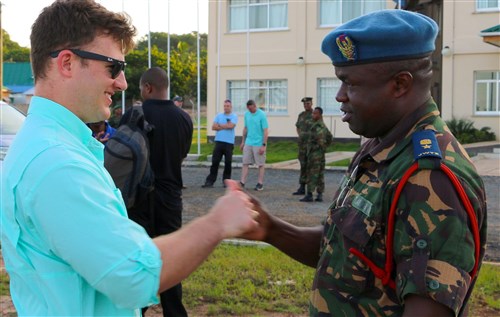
x: 300, y: 243
x: 266, y: 134
x: 184, y: 250
x: 244, y: 135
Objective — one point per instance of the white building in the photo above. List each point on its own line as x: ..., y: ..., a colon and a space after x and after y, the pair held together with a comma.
x: 277, y: 60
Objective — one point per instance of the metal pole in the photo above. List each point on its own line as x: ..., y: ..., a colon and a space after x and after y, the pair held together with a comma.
x: 1, y: 53
x: 149, y: 35
x: 217, y: 98
x: 198, y: 68
x: 248, y: 50
x: 168, y: 49
x: 123, y: 91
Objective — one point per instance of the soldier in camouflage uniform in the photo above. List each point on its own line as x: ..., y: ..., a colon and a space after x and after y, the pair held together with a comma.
x: 303, y: 125
x: 319, y: 139
x: 384, y: 62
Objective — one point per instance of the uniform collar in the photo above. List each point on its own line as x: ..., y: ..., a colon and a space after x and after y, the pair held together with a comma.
x: 400, y: 136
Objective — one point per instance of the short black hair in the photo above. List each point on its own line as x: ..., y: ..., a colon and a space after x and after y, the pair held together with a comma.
x: 320, y: 110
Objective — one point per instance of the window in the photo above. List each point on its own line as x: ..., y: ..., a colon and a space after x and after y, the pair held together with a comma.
x: 488, y: 5
x: 335, y: 12
x: 487, y: 92
x: 327, y: 90
x: 269, y: 95
x: 263, y: 14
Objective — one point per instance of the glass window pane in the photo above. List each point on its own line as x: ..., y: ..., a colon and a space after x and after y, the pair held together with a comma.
x: 238, y: 19
x: 330, y: 12
x: 481, y: 102
x: 351, y: 9
x: 327, y: 90
x: 485, y: 75
x: 258, y: 17
x: 278, y: 16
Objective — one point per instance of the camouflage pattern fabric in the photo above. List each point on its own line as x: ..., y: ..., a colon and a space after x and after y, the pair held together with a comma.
x: 433, y: 243
x: 303, y: 124
x: 319, y: 139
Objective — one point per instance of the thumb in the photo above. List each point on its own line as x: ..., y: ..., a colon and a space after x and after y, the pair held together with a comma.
x: 232, y: 185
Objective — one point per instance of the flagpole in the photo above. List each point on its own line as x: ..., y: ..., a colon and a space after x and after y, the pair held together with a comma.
x: 198, y: 68
x: 123, y: 91
x: 168, y: 48
x: 149, y: 34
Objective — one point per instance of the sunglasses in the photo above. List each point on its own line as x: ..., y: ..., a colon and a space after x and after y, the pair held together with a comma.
x: 118, y: 66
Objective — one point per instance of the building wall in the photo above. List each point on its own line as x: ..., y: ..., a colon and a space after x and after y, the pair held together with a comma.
x: 461, y: 27
x: 274, y: 55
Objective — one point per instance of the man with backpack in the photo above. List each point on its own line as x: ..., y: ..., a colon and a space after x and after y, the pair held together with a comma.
x: 68, y: 246
x: 169, y: 143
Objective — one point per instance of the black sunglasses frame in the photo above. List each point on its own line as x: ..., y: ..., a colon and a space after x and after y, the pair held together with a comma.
x: 118, y: 66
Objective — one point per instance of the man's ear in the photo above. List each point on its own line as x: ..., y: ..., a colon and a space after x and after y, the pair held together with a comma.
x: 403, y: 82
x: 65, y: 63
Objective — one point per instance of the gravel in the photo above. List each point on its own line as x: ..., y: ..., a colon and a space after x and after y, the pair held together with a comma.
x: 277, y: 196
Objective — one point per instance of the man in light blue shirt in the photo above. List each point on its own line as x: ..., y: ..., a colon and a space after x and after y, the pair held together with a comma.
x: 254, y: 143
x: 68, y: 245
x: 224, y: 124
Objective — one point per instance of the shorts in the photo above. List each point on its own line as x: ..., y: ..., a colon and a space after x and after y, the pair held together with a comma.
x: 251, y: 156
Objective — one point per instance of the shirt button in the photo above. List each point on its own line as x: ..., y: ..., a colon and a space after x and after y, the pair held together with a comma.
x: 421, y: 244
x: 434, y: 285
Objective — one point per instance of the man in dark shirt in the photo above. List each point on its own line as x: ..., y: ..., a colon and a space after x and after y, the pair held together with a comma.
x: 169, y: 144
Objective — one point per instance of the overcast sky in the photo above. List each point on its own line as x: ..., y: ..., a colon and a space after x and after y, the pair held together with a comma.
x: 19, y: 15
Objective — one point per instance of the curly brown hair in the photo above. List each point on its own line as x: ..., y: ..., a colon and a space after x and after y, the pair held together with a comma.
x: 73, y: 23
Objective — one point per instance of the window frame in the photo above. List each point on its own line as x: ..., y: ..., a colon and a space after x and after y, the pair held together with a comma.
x: 487, y: 9
x: 494, y: 84
x: 382, y: 3
x: 321, y: 85
x: 246, y: 6
x: 268, y: 87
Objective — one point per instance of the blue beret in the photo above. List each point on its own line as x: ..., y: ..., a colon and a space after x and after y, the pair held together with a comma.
x: 385, y: 35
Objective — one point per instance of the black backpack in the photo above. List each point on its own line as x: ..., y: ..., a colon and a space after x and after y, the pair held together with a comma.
x: 126, y: 157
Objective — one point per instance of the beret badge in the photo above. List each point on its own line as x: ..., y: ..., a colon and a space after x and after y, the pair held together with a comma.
x: 346, y: 47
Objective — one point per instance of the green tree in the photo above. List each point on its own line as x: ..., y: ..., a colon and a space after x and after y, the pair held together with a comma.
x: 183, y: 63
x: 12, y: 51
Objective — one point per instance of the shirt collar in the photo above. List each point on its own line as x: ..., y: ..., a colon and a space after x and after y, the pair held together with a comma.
x: 66, y: 119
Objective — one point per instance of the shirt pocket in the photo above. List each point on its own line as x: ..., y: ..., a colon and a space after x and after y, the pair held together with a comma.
x: 349, y: 228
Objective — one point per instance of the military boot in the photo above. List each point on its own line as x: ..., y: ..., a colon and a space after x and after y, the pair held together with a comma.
x: 319, y: 197
x: 301, y: 190
x: 308, y: 197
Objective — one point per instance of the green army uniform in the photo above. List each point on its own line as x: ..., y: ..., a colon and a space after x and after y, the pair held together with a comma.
x: 319, y: 139
x: 433, y: 244
x: 303, y: 124
x: 114, y: 120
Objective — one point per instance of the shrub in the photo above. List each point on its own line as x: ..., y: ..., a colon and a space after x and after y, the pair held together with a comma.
x: 465, y: 131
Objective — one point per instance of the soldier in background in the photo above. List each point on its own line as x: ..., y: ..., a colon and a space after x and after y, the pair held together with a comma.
x: 116, y: 116
x: 319, y: 139
x: 303, y: 125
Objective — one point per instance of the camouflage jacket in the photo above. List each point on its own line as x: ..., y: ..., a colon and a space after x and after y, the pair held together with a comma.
x: 304, y: 124
x: 319, y: 137
x: 433, y: 244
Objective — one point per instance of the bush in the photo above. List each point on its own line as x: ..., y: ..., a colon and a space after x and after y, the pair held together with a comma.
x: 465, y: 131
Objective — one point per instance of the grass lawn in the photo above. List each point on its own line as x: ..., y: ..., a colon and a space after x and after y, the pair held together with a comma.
x: 243, y: 280
x: 246, y: 280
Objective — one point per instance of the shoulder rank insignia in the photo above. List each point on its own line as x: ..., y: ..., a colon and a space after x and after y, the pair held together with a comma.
x: 425, y: 144
x: 346, y: 47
